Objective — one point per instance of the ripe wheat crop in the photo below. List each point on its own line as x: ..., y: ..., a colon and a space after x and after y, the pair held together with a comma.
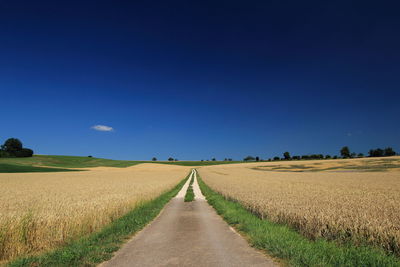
x: 357, y: 206
x: 40, y: 211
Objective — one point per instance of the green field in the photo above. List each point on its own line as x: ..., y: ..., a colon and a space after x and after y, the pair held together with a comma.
x: 67, y: 162
x: 38, y: 163
x: 10, y: 168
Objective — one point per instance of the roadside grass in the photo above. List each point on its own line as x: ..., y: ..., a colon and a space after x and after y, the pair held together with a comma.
x: 189, y: 196
x: 98, y: 247
x: 283, y: 242
x: 11, y: 168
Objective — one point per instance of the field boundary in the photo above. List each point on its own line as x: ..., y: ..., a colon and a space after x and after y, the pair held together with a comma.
x: 283, y: 242
x: 99, y: 247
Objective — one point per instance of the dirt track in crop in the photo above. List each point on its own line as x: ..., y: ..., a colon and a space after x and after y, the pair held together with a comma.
x: 188, y: 234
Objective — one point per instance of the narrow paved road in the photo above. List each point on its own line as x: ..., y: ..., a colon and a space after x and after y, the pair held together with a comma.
x: 188, y: 234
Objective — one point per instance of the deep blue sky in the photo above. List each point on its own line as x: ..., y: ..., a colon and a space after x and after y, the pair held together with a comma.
x: 200, y: 79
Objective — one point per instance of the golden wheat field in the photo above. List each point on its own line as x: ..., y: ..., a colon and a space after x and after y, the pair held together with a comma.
x: 331, y: 201
x: 40, y: 211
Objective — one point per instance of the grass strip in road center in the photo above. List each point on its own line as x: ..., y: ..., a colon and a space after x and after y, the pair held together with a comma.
x: 285, y: 243
x: 98, y: 247
x: 189, y: 197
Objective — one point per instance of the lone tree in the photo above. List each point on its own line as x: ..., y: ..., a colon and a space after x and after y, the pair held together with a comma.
x: 345, y: 152
x: 12, y: 147
x: 257, y: 158
x: 213, y: 159
x: 286, y: 155
x: 249, y: 158
x: 154, y: 159
x: 170, y: 159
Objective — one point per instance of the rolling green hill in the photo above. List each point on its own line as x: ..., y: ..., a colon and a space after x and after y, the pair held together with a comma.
x: 67, y: 161
x: 39, y: 163
x: 12, y: 168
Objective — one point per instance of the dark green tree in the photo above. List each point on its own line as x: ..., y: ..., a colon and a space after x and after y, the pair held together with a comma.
x: 12, y: 145
x: 376, y: 152
x: 389, y: 152
x: 249, y: 158
x: 286, y: 155
x: 345, y: 152
x: 154, y: 159
x: 170, y: 159
x: 24, y: 152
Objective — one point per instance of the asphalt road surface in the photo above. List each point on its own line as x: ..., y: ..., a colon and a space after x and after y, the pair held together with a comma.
x: 188, y: 234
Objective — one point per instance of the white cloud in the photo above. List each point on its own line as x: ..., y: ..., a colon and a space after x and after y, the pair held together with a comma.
x: 102, y: 128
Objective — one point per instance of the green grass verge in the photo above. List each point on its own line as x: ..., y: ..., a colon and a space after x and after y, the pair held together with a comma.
x: 11, y: 168
x: 189, y: 196
x: 99, y: 247
x: 285, y: 243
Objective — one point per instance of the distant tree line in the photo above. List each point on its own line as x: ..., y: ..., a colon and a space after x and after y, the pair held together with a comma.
x: 169, y: 159
x: 387, y: 152
x: 344, y: 153
x: 13, y: 148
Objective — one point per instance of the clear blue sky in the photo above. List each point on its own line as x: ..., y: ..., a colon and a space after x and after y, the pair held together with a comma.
x: 200, y: 79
